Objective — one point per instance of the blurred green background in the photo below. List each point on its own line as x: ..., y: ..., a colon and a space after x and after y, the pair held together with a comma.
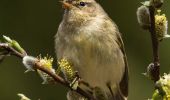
x: 33, y: 23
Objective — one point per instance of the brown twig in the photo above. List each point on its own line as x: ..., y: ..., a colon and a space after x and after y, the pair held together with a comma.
x: 155, y: 46
x: 39, y: 66
x: 60, y: 80
x: 12, y: 50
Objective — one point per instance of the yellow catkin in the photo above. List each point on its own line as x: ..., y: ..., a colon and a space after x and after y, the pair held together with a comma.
x: 67, y: 69
x: 161, y: 26
x: 46, y: 61
x: 164, y: 87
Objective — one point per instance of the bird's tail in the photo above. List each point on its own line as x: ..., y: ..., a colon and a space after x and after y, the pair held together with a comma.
x: 72, y: 95
x: 111, y: 93
x: 115, y: 94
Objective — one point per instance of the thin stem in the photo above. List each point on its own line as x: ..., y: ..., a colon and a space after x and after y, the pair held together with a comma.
x: 60, y: 80
x: 155, y: 46
x: 12, y: 50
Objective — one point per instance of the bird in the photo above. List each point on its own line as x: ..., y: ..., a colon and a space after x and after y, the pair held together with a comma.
x: 89, y: 39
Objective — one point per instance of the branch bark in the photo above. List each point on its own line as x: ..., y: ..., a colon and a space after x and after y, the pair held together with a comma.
x: 155, y: 46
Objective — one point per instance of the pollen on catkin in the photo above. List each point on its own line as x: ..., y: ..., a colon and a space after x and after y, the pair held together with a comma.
x: 162, y: 88
x: 161, y: 26
x: 46, y: 62
x: 67, y: 69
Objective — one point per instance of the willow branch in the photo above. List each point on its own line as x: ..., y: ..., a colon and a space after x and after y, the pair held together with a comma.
x: 39, y: 66
x: 11, y: 50
x: 155, y: 46
x: 60, y: 80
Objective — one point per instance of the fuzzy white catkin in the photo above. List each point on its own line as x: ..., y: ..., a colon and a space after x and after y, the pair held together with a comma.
x: 29, y: 62
x: 143, y: 16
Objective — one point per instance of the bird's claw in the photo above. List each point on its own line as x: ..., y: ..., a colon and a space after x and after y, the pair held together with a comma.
x: 75, y: 83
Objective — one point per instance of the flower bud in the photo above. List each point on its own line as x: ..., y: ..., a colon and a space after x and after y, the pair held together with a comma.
x: 23, y: 97
x: 149, y: 71
x: 29, y: 62
x: 143, y: 17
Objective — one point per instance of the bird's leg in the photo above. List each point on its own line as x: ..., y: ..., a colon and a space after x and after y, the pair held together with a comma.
x: 78, y: 81
x: 75, y: 83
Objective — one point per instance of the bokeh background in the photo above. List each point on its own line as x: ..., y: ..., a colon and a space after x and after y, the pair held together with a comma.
x: 33, y: 23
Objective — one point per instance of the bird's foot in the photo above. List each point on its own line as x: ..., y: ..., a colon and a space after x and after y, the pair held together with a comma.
x: 75, y: 83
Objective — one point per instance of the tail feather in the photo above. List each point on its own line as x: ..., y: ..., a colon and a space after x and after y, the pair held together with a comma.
x: 115, y: 93
x: 118, y: 96
x: 72, y: 95
x: 112, y: 92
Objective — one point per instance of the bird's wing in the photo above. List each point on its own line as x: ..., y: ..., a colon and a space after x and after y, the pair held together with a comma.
x: 122, y: 88
x: 124, y: 82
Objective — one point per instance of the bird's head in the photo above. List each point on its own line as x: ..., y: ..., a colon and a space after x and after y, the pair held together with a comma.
x: 80, y: 11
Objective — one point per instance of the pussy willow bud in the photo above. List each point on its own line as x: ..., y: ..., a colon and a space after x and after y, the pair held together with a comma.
x: 161, y: 26
x: 157, y: 3
x: 7, y: 39
x: 149, y: 71
x: 29, y: 62
x: 14, y: 44
x: 146, y: 3
x: 143, y: 17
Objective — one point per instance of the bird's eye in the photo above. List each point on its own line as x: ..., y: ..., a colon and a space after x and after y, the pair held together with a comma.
x: 82, y: 3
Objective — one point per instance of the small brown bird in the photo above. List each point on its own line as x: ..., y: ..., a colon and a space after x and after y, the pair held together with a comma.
x: 91, y: 41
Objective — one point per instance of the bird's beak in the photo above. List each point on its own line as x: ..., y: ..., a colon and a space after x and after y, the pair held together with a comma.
x: 66, y: 5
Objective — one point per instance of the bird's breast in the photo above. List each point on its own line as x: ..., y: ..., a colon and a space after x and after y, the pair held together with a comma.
x: 94, y: 53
